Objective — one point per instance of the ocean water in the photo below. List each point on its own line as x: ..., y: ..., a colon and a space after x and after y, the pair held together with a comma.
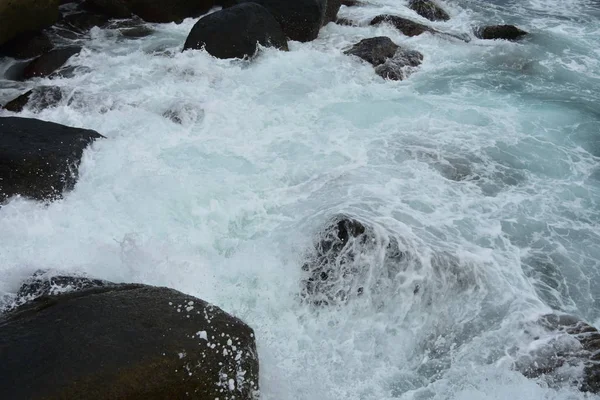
x: 484, y: 165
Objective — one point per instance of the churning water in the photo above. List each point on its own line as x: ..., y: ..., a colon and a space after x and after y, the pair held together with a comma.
x: 484, y: 165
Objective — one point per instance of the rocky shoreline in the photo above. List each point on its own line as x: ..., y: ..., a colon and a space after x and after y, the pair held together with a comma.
x: 136, y: 341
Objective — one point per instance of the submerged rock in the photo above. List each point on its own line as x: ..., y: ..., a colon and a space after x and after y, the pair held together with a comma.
x: 387, y: 57
x: 136, y: 32
x: 429, y: 9
x: 567, y: 342
x: 151, y: 10
x: 234, y: 32
x: 335, y: 271
x: 346, y: 22
x: 49, y: 62
x: 40, y: 159
x: 38, y: 99
x: 394, y: 68
x: 507, y: 32
x: 25, y: 17
x: 125, y: 341
x: 299, y: 19
x: 27, y: 45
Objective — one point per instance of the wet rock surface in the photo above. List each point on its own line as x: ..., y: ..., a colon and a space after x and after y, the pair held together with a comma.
x: 387, y: 57
x: 506, y: 32
x: 124, y: 341
x: 234, y: 32
x: 40, y: 159
x: 334, y: 272
x: 37, y: 99
x: 429, y: 9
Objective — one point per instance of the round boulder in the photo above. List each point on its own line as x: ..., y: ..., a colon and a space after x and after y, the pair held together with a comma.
x: 299, y: 19
x: 125, y: 342
x: 234, y: 32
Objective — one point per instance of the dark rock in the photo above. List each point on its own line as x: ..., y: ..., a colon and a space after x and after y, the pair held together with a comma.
x: 226, y: 3
x: 40, y: 159
x: 374, y: 50
x: 26, y: 16
x: 429, y: 9
x: 352, y: 3
x: 151, y: 10
x: 17, y: 105
x: 110, y: 8
x: 335, y: 271
x: 333, y: 6
x: 125, y: 342
x: 42, y: 283
x: 83, y: 22
x: 508, y: 32
x: 346, y: 22
x: 394, y: 68
x: 387, y: 57
x: 406, y: 26
x: 234, y: 32
x: 49, y: 62
x: 299, y: 19
x: 38, y: 99
x: 27, y: 45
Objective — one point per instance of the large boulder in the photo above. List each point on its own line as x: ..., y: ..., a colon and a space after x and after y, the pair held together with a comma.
x: 406, y: 26
x: 234, y: 32
x: 299, y: 19
x: 126, y: 341
x: 27, y: 45
x: 507, y: 32
x: 49, y: 63
x: 387, y: 57
x: 429, y: 9
x: 37, y: 99
x: 333, y: 6
x: 25, y: 16
x: 40, y: 159
x: 151, y: 10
